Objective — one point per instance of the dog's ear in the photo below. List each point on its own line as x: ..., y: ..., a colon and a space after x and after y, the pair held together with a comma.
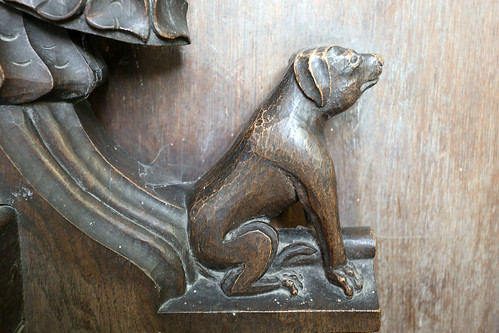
x: 313, y: 75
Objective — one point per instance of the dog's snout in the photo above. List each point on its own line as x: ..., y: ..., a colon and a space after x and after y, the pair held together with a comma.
x: 379, y: 60
x: 376, y: 62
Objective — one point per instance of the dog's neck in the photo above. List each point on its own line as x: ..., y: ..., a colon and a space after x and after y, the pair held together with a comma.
x: 292, y: 103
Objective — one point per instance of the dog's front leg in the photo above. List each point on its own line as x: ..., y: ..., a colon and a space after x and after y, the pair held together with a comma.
x: 313, y: 174
x: 318, y: 196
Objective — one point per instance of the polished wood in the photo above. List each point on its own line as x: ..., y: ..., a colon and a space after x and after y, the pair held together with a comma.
x: 311, y: 298
x: 42, y: 62
x: 25, y: 75
x: 227, y: 213
x: 280, y: 158
x: 51, y: 148
x: 416, y: 158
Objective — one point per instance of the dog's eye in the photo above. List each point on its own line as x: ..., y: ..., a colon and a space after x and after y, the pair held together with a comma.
x: 354, y: 60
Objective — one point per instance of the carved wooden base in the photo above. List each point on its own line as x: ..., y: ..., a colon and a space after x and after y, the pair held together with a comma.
x: 318, y: 306
x: 280, y: 321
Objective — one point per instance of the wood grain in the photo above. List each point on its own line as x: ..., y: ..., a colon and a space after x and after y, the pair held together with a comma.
x: 416, y: 158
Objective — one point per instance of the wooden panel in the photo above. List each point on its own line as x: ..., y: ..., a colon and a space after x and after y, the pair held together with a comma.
x: 416, y: 158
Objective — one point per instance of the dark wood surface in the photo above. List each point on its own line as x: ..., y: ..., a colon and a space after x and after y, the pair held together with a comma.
x: 147, y: 22
x: 416, y: 158
x: 11, y: 282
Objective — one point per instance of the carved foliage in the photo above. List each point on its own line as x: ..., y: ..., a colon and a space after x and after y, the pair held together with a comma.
x: 41, y: 60
x: 126, y: 20
x: 52, y: 9
x: 126, y: 15
x: 26, y: 77
x: 167, y: 18
x: 75, y: 72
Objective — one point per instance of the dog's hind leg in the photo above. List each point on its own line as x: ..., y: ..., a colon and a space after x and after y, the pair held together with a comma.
x: 254, y: 246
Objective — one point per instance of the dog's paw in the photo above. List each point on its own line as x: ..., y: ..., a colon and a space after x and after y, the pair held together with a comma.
x: 292, y: 283
x: 347, y: 277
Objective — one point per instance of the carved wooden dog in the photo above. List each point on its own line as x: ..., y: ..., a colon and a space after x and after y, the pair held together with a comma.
x: 279, y: 158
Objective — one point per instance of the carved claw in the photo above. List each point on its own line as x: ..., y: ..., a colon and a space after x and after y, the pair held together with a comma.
x: 292, y: 283
x: 346, y: 277
x: 290, y: 286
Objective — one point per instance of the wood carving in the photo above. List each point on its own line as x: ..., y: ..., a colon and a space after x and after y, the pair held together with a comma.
x: 280, y: 158
x: 48, y: 145
x: 146, y: 22
x: 217, y: 232
x: 42, y: 61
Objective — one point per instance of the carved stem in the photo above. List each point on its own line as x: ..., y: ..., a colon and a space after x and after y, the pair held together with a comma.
x: 74, y: 178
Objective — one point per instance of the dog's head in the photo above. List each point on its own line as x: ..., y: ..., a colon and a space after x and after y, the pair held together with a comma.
x: 335, y: 77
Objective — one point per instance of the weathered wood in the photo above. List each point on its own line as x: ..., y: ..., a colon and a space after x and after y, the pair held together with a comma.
x: 48, y: 145
x: 416, y: 159
x: 1, y: 76
x: 419, y: 163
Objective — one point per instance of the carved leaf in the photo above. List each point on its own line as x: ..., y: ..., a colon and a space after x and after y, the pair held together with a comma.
x: 168, y: 18
x: 54, y: 10
x: 26, y: 77
x: 129, y: 21
x: 73, y: 76
x: 127, y: 15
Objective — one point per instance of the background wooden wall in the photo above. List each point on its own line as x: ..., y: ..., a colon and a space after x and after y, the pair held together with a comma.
x: 417, y: 158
